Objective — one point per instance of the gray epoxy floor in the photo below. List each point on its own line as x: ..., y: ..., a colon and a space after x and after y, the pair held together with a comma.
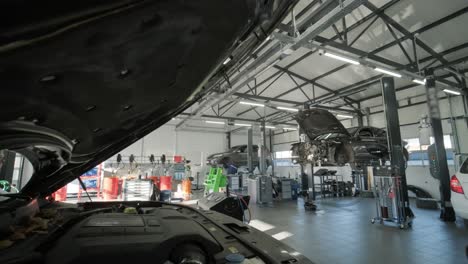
x: 341, y: 232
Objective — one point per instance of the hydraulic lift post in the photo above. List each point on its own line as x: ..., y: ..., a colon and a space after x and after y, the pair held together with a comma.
x: 394, y: 138
x: 250, y: 149
x: 447, y: 213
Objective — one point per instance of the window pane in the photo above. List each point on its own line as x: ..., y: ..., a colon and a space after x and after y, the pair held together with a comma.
x: 412, y: 144
x: 447, y: 141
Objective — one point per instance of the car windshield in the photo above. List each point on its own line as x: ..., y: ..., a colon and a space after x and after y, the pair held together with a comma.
x: 352, y: 130
x: 243, y: 148
x: 464, y: 166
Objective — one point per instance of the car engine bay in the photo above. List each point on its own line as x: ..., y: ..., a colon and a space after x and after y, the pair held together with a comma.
x: 120, y: 232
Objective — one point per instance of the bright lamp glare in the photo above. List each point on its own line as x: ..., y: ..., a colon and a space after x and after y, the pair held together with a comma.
x: 344, y: 116
x: 227, y: 60
x: 250, y: 103
x: 337, y: 57
x: 422, y: 82
x: 214, y: 122
x: 289, y: 128
x: 287, y: 109
x: 388, y: 72
x: 452, y: 92
x: 239, y: 124
x: 270, y: 127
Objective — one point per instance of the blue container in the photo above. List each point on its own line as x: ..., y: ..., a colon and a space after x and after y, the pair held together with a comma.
x: 165, y: 196
x: 294, y: 190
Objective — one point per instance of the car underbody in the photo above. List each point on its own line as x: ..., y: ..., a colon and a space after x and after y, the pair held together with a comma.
x: 327, y: 143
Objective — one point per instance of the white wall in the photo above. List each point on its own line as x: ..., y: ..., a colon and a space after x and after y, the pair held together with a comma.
x: 193, y: 145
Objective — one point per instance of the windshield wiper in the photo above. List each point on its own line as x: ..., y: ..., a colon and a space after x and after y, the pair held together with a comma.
x: 16, y: 195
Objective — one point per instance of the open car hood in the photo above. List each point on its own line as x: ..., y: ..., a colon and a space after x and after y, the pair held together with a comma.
x: 316, y: 122
x: 82, y: 80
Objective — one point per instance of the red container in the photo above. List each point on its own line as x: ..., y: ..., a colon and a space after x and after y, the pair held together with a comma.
x: 61, y: 194
x: 165, y: 183
x: 186, y: 186
x: 186, y: 189
x: 111, y: 188
x: 178, y: 159
x: 155, y: 180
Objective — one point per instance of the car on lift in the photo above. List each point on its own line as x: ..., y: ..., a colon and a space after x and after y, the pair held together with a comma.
x: 331, y: 144
x: 238, y: 156
x: 82, y: 80
x: 459, y: 191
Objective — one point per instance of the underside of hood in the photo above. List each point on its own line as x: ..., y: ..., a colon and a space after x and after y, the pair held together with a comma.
x: 316, y: 122
x: 82, y: 80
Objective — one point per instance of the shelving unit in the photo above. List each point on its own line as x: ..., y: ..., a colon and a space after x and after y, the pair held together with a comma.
x: 329, y: 185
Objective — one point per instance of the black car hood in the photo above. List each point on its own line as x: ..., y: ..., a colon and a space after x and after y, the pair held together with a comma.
x: 316, y: 122
x: 82, y: 80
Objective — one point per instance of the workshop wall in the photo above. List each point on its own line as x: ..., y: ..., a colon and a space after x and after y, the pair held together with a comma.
x: 194, y: 145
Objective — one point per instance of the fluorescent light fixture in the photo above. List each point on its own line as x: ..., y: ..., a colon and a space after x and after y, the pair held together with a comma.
x: 287, y: 109
x: 329, y: 134
x: 422, y: 82
x: 388, y: 72
x: 173, y: 119
x: 337, y: 57
x: 344, y: 116
x: 227, y: 60
x: 250, y: 103
x: 290, y: 128
x: 239, y: 124
x: 214, y: 122
x: 452, y: 92
x: 270, y: 127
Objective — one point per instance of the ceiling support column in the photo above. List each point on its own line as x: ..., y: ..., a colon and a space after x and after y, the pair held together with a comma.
x: 441, y: 167
x: 250, y: 149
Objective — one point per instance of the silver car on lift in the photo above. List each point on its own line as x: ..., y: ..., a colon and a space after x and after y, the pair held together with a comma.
x: 238, y: 157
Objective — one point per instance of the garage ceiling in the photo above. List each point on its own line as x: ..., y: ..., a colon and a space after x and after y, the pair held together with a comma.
x: 394, y: 34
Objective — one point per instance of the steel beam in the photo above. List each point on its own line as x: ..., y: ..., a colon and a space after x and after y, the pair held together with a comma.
x: 228, y: 139
x: 274, y: 54
x: 408, y: 34
x: 261, y: 149
x: 447, y: 213
x: 238, y: 119
x: 295, y: 103
x: 352, y: 27
x: 250, y: 149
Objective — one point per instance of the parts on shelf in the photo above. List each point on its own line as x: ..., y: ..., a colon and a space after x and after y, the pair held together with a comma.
x: 137, y: 190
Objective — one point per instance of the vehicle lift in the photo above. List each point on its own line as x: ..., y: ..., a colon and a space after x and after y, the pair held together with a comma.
x: 308, y: 194
x: 390, y: 186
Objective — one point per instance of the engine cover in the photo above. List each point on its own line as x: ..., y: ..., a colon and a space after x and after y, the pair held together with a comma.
x: 130, y: 238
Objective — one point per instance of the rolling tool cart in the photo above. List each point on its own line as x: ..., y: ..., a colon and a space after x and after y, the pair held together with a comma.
x: 389, y: 196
